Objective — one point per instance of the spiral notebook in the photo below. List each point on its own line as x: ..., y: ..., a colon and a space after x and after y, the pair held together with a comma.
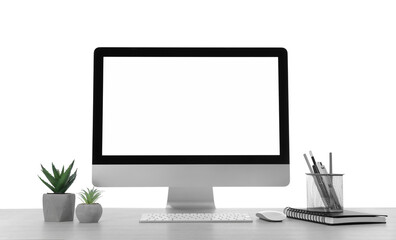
x: 346, y: 217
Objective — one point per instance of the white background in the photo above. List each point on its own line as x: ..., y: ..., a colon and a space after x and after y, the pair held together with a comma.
x: 341, y: 72
x: 190, y: 106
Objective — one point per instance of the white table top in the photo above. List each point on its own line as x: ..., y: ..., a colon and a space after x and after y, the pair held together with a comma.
x: 124, y: 223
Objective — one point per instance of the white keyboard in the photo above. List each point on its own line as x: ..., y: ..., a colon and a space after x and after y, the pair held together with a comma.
x: 195, y: 218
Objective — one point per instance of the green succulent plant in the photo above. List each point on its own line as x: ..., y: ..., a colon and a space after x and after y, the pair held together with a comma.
x: 90, y: 196
x: 59, y: 182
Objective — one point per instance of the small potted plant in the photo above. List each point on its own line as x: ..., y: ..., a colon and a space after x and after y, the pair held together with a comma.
x: 89, y: 211
x: 59, y: 206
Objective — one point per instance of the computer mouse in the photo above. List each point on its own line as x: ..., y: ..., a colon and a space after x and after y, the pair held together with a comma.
x: 271, y: 216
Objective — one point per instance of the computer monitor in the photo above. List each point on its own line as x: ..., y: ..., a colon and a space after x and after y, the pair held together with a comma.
x: 190, y: 119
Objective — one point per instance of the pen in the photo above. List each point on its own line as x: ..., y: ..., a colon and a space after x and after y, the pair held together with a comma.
x: 312, y: 157
x: 309, y: 165
x: 315, y: 167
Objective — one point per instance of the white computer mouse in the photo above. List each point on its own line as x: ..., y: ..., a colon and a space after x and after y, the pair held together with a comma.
x: 271, y: 216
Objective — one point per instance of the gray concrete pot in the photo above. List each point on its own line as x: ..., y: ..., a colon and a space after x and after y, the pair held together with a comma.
x: 58, y: 207
x: 89, y: 213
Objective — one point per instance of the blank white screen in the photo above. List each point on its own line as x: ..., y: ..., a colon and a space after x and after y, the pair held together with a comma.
x: 190, y: 106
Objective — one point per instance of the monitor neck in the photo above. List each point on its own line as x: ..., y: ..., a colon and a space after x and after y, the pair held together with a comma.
x: 191, y: 198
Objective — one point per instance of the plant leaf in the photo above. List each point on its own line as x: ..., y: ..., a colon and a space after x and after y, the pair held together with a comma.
x: 82, y: 199
x: 87, y: 196
x: 63, y: 179
x: 95, y: 197
x: 64, y: 189
x: 63, y: 170
x: 46, y: 184
x: 90, y: 196
x: 69, y: 182
x: 85, y: 199
x: 72, y: 177
x: 49, y: 176
x: 56, y: 172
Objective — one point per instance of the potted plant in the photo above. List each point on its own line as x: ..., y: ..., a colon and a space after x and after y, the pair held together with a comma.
x: 59, y: 206
x: 89, y: 211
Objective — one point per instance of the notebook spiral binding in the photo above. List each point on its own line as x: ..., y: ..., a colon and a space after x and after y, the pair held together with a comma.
x: 304, y: 215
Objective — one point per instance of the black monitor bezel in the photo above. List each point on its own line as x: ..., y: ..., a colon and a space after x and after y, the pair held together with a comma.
x: 102, y: 52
